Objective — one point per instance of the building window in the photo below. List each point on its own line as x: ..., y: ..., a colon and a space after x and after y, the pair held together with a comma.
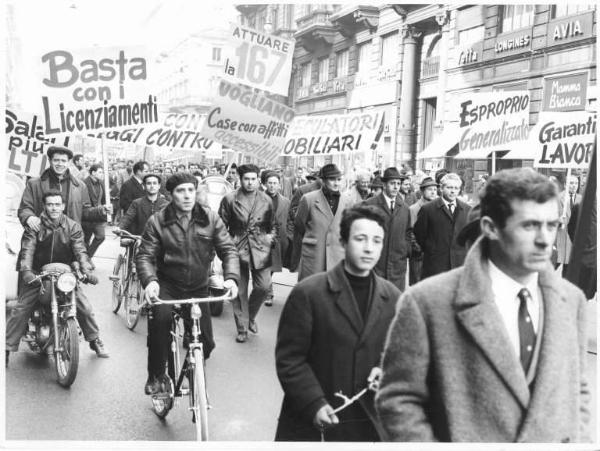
x: 567, y: 9
x: 471, y: 35
x: 429, y: 113
x: 516, y: 16
x: 323, y: 69
x: 364, y: 58
x: 289, y: 16
x: 389, y: 49
x: 305, y: 75
x: 341, y: 65
x: 216, y: 54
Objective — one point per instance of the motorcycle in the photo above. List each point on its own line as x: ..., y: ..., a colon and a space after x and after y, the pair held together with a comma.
x: 52, y: 327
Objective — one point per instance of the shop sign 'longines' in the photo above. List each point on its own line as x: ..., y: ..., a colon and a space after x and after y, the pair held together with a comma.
x: 259, y: 60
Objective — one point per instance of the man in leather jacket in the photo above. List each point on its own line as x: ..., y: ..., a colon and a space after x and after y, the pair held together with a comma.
x: 58, y: 239
x: 248, y: 215
x: 173, y: 262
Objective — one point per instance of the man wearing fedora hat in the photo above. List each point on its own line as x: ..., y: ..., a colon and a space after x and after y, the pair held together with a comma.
x: 429, y: 190
x: 376, y: 187
x: 317, y: 224
x: 399, y: 239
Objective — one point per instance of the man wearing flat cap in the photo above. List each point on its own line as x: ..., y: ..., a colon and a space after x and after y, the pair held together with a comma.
x: 429, y: 190
x: 398, y: 240
x: 77, y: 206
x: 317, y: 224
x: 173, y: 262
x: 249, y: 216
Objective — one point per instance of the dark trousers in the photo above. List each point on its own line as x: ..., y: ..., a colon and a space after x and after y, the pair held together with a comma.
x: 16, y: 323
x: 159, y: 327
x: 245, y: 308
x: 414, y: 269
x: 97, y: 230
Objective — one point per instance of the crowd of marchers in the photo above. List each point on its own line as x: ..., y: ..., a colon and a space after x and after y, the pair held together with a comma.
x: 447, y: 318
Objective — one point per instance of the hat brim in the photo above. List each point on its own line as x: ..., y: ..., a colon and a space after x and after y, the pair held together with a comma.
x: 427, y: 185
x: 387, y: 179
x: 332, y: 175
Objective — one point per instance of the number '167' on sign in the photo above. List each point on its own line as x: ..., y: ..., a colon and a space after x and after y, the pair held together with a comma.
x: 259, y: 60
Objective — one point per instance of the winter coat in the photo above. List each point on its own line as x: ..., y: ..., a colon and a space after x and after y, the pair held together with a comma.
x: 130, y: 191
x: 140, y: 210
x: 450, y: 372
x: 183, y: 258
x: 279, y: 251
x: 254, y: 231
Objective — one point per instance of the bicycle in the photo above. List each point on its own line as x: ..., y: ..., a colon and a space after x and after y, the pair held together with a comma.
x: 127, y: 288
x: 192, y: 367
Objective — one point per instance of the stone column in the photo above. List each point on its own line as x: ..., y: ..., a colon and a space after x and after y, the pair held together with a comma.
x: 408, y: 119
x: 443, y: 20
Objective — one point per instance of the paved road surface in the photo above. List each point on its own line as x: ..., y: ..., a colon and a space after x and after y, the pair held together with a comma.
x: 107, y: 402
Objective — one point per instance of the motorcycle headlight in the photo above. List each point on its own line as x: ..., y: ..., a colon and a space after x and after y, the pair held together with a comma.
x: 66, y: 282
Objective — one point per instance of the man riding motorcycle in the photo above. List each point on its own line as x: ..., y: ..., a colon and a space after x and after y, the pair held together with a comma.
x: 58, y: 239
x: 174, y: 260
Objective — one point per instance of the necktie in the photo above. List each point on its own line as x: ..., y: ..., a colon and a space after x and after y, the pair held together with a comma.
x: 526, y: 332
x: 572, y: 200
x: 392, y: 205
x: 451, y: 207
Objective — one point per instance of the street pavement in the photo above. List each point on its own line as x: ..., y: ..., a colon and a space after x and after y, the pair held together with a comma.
x: 107, y: 400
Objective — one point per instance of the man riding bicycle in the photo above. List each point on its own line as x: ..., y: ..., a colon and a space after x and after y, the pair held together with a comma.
x: 174, y: 261
x: 135, y: 218
x: 59, y: 239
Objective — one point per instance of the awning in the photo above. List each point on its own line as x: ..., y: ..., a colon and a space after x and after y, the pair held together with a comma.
x: 479, y: 154
x: 441, y: 144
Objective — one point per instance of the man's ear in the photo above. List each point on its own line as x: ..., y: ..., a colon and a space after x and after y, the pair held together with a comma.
x: 489, y: 229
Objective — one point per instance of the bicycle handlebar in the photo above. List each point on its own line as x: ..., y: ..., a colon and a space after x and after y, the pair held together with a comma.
x: 126, y: 234
x: 225, y: 297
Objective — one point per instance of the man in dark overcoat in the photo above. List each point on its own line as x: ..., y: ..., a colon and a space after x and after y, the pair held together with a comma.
x: 133, y: 188
x: 438, y: 224
x: 281, y: 205
x: 330, y: 337
x: 399, y: 238
x: 494, y: 351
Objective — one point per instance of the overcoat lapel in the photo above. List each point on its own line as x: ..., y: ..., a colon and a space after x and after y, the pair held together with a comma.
x: 476, y: 311
x: 383, y: 204
x: 556, y: 312
x: 344, y: 299
x: 323, y: 206
x: 442, y: 206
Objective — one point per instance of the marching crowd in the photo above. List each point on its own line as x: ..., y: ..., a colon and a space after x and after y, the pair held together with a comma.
x: 448, y: 308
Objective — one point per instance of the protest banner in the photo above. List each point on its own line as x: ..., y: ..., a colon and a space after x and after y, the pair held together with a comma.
x: 95, y: 89
x: 334, y: 134
x: 563, y: 139
x: 259, y: 60
x: 173, y: 130
x: 27, y: 143
x: 491, y: 121
x: 246, y: 121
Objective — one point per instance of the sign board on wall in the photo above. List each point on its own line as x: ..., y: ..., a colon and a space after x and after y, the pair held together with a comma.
x: 564, y: 140
x: 513, y: 43
x: 249, y: 122
x: 27, y: 143
x: 259, y: 59
x: 470, y: 54
x: 569, y: 29
x: 565, y: 93
x: 334, y: 134
x: 95, y: 89
x: 490, y: 121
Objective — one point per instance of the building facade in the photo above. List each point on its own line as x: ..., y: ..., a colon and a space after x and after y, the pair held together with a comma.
x: 412, y: 61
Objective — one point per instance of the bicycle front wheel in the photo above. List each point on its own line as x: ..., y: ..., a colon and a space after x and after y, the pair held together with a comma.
x: 134, y: 300
x: 198, y: 400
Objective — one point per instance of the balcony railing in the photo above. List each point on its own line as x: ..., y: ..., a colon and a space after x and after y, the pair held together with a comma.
x: 431, y: 67
x: 317, y: 17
